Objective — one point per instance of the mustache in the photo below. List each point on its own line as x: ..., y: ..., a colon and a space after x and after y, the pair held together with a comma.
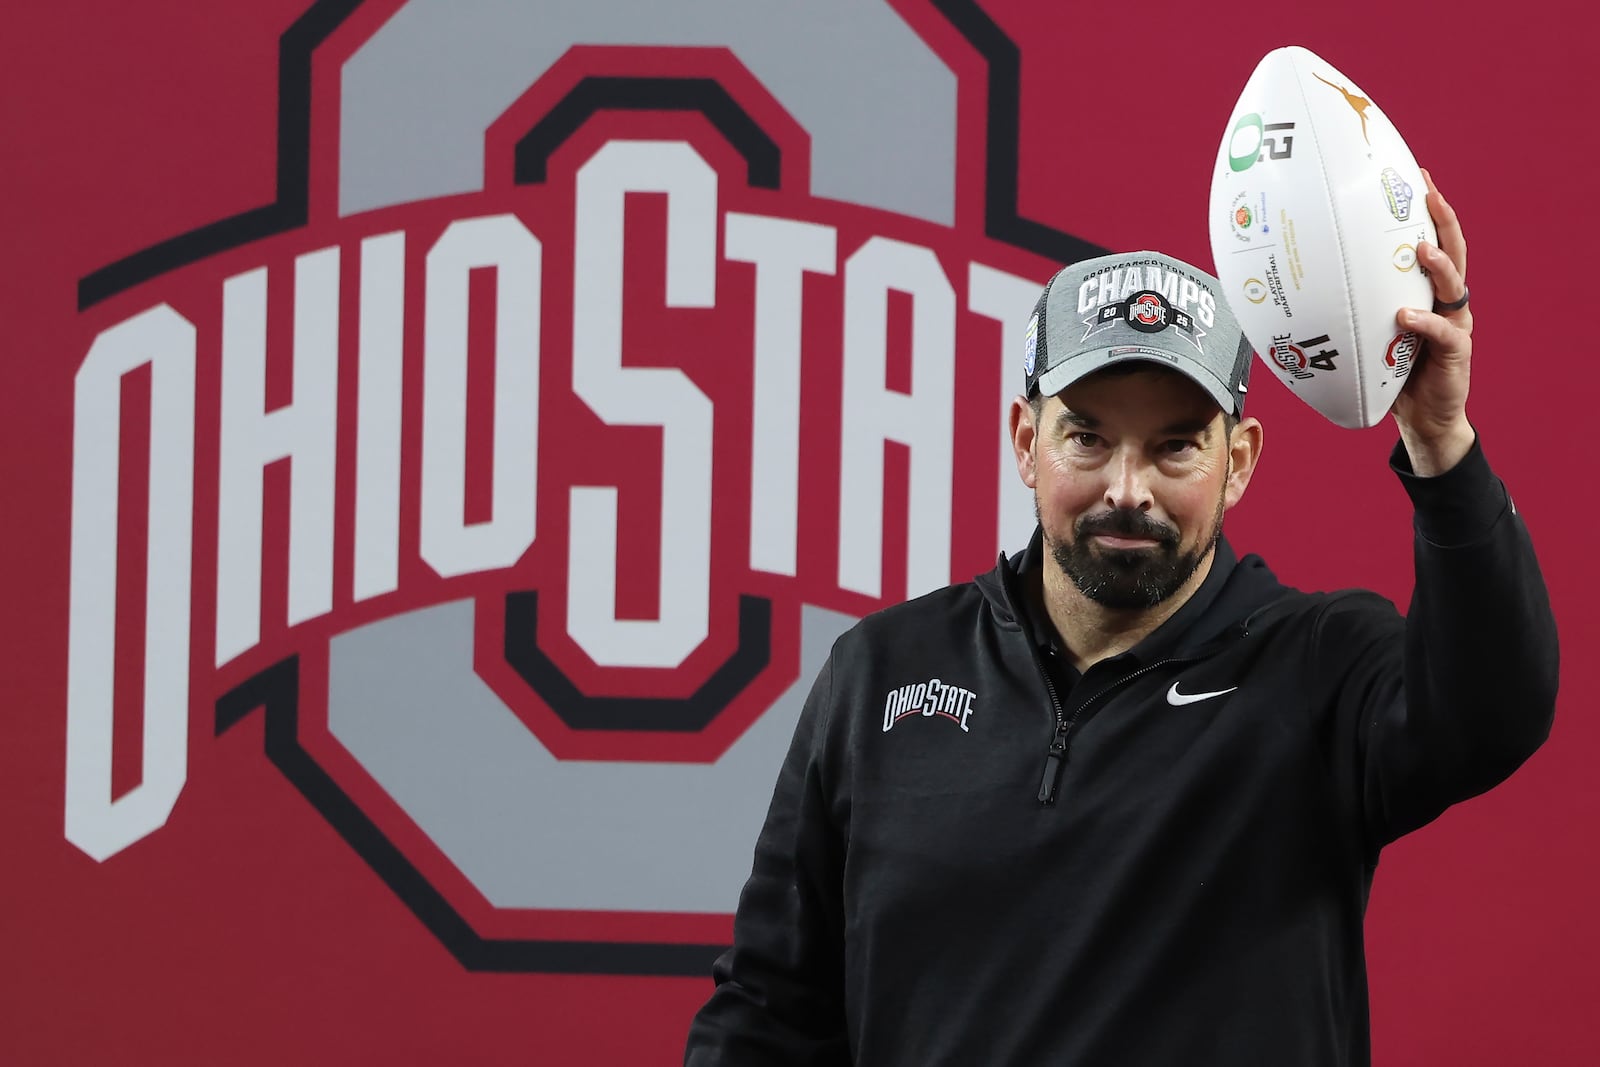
x: 1126, y: 522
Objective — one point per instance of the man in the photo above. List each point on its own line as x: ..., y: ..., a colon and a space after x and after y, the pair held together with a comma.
x: 1120, y: 800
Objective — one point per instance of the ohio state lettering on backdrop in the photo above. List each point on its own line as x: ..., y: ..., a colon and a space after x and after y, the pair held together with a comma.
x: 555, y: 448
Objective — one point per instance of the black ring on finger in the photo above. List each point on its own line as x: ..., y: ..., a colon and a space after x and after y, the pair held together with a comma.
x: 1454, y: 305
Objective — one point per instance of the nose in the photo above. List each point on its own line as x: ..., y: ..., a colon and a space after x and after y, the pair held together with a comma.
x: 1128, y: 481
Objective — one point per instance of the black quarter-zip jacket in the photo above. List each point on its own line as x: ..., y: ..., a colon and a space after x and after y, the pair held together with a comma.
x: 974, y: 857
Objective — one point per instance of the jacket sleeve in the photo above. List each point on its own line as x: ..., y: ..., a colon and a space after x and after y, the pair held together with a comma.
x: 779, y: 996
x: 1449, y: 701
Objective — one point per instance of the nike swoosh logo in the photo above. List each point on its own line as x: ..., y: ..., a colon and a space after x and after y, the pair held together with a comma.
x: 1177, y: 699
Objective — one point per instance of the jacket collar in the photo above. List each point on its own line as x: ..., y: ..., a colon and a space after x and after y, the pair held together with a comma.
x: 1232, y: 589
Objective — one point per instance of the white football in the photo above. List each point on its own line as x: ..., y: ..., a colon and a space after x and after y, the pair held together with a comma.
x: 1317, y: 207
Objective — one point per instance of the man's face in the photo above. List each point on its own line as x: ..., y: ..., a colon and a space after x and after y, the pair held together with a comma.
x: 1130, y: 479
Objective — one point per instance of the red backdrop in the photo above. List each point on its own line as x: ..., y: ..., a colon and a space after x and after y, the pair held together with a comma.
x: 246, y: 931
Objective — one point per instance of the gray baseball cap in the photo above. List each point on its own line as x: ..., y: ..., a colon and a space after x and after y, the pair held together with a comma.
x: 1136, y: 305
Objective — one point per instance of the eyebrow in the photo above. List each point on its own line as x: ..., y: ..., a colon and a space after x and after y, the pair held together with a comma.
x: 1182, y: 428
x: 1189, y: 427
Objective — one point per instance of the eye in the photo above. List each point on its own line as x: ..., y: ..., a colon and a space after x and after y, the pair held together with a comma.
x: 1084, y: 439
x: 1178, y: 447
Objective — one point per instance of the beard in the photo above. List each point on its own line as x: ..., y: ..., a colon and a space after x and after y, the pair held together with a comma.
x: 1128, y: 579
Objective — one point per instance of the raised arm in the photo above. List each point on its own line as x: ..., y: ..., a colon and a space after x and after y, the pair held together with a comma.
x: 1449, y: 701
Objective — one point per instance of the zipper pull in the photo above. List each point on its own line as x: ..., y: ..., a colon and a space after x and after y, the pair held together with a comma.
x: 1052, y: 767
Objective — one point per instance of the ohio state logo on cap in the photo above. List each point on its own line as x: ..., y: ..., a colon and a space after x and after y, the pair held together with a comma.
x: 1147, y: 312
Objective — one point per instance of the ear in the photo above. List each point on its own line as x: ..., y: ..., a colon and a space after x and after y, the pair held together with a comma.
x: 1020, y: 422
x: 1244, y: 451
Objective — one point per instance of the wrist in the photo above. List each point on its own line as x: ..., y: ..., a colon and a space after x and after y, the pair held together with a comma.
x: 1436, y: 449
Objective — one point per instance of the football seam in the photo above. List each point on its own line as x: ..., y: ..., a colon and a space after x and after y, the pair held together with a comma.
x: 1353, y: 326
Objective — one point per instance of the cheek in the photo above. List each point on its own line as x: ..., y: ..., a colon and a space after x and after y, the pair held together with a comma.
x: 1194, y: 504
x: 1065, y: 492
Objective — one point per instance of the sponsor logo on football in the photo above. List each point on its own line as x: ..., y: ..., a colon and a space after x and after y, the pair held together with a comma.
x: 927, y: 699
x: 1254, y: 141
x: 1256, y: 291
x: 1397, y: 194
x: 1404, y: 258
x: 1248, y: 216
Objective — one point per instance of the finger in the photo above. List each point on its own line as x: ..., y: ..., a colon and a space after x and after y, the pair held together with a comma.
x: 1445, y: 339
x: 1451, y: 238
x: 1448, y: 284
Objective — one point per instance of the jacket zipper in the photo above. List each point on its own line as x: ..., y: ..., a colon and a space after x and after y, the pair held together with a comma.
x: 1058, y: 743
x: 1057, y: 755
